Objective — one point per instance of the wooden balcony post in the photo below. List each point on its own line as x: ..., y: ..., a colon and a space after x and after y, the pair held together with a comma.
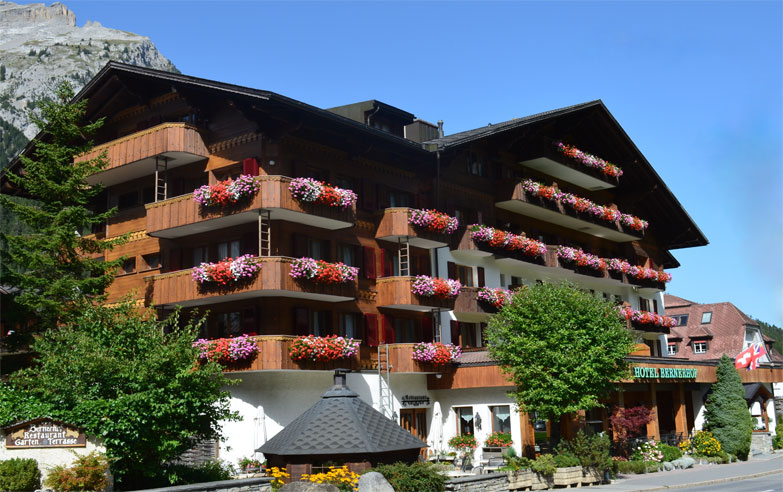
x: 680, y: 422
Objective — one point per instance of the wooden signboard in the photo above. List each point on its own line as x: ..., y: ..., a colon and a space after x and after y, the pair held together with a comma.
x: 43, y: 433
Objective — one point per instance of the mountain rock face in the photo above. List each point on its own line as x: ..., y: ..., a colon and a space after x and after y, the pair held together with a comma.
x: 41, y: 46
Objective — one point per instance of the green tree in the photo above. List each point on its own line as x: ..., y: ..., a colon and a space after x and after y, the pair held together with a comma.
x: 128, y: 379
x: 54, y: 267
x: 726, y: 413
x: 562, y: 348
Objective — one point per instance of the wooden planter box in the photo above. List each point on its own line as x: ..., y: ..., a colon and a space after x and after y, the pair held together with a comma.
x: 591, y: 475
x: 541, y: 482
x: 571, y: 475
x: 519, y: 479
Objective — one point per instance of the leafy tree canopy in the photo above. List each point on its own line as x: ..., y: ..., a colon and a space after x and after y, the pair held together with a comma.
x: 726, y: 413
x: 562, y: 348
x: 128, y: 379
x: 55, y: 267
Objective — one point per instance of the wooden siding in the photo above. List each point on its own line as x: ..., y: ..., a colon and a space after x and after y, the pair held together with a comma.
x: 397, y: 291
x: 166, y: 137
x: 401, y: 360
x: 467, y: 302
x: 179, y: 287
x: 273, y: 194
x: 273, y: 355
x: 488, y: 376
x: 395, y: 223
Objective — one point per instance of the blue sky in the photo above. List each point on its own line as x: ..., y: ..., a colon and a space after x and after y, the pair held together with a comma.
x: 698, y: 86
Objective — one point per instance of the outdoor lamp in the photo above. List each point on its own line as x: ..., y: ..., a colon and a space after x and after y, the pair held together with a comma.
x: 478, y: 421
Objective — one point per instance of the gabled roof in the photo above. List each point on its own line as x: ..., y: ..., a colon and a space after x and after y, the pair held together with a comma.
x: 341, y: 423
x: 670, y: 301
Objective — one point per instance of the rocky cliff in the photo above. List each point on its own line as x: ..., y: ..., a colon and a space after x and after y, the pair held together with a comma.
x: 41, y: 46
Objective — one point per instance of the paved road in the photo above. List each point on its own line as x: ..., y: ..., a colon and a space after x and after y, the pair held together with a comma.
x: 771, y: 483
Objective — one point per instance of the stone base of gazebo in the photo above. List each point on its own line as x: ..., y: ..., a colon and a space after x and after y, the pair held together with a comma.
x: 297, y: 466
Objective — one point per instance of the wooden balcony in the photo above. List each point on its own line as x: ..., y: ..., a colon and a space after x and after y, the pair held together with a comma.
x: 549, y: 161
x: 516, y: 200
x: 178, y: 288
x: 401, y: 361
x: 394, y: 227
x: 133, y: 156
x: 182, y: 216
x: 273, y: 355
x: 468, y: 308
x: 395, y: 293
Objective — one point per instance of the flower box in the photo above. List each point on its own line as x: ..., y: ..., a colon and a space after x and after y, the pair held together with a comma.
x: 577, y: 259
x: 227, y: 192
x: 441, y: 288
x: 227, y: 351
x: 646, y: 318
x: 506, y: 241
x: 436, y: 353
x: 519, y: 479
x: 591, y: 476
x: 314, y: 191
x: 227, y: 271
x: 322, y: 272
x: 495, y: 297
x: 589, y: 160
x: 568, y: 476
x: 432, y: 220
x: 323, y: 349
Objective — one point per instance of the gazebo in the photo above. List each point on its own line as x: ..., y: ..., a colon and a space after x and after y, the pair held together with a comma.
x: 340, y: 429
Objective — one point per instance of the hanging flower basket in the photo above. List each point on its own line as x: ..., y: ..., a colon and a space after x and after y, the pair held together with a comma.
x: 589, y: 160
x: 432, y: 220
x: 314, y: 191
x: 647, y: 318
x: 227, y: 271
x: 323, y: 272
x: 227, y: 192
x: 496, y: 297
x: 436, y: 353
x: 579, y: 258
x: 227, y: 351
x: 323, y: 349
x: 463, y: 442
x: 442, y: 288
x: 498, y: 440
x: 507, y: 241
x: 583, y: 205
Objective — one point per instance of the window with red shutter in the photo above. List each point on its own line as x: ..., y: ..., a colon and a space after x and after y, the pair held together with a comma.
x: 480, y: 271
x: 388, y: 329
x: 250, y: 166
x: 175, y: 259
x: 455, y: 332
x: 451, y: 270
x: 427, y: 330
x: 371, y: 329
x: 369, y: 262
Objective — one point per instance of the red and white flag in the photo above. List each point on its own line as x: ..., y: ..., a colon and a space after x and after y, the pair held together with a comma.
x: 749, y: 357
x: 758, y: 352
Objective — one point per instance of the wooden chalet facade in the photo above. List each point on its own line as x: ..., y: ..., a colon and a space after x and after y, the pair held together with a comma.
x: 167, y: 134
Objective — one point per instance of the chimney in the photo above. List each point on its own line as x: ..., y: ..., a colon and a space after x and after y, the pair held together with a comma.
x: 421, y: 131
x: 440, y: 128
x: 340, y: 376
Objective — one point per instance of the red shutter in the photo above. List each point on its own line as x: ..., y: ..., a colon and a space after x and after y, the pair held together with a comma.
x: 480, y: 276
x: 426, y: 329
x: 250, y: 166
x: 388, y: 329
x: 175, y: 259
x: 369, y: 262
x: 301, y: 321
x: 371, y: 329
x: 451, y: 269
x: 386, y: 264
x: 455, y: 332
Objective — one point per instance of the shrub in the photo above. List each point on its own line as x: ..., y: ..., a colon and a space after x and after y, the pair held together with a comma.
x: 211, y: 471
x: 19, y: 474
x: 88, y: 472
x: 777, y: 439
x: 517, y: 463
x: 628, y: 467
x: 591, y: 450
x: 726, y: 412
x: 544, y: 464
x: 417, y: 477
x: 670, y: 453
x: 649, y: 452
x: 705, y: 444
x: 564, y: 460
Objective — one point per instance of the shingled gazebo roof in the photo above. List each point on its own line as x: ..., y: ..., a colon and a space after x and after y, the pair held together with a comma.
x: 341, y: 424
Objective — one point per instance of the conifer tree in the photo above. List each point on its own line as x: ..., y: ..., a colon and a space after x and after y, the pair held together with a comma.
x: 726, y: 412
x: 54, y: 266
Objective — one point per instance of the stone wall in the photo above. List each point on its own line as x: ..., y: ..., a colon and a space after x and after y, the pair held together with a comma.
x: 761, y: 443
x: 261, y: 484
x: 491, y: 482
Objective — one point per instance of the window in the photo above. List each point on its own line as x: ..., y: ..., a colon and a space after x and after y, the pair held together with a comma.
x: 128, y: 200
x: 476, y: 165
x: 470, y: 336
x: 151, y: 261
x: 399, y: 199
x: 501, y: 418
x: 199, y: 255
x: 706, y: 318
x: 318, y: 249
x: 682, y: 319
x: 699, y: 347
x: 503, y: 280
x: 465, y: 275
x: 228, y: 249
x: 405, y: 331
x: 129, y: 266
x: 349, y: 325
x: 516, y: 282
x: 229, y: 324
x: 320, y: 323
x: 671, y: 348
x: 644, y: 304
x: 346, y: 254
x: 464, y: 420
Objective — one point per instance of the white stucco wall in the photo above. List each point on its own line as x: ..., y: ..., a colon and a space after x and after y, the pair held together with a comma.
x: 698, y: 406
x: 48, y: 458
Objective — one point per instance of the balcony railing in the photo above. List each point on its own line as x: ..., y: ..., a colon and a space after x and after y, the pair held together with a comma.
x: 273, y: 355
x: 395, y: 227
x: 182, y: 216
x: 549, y: 161
x: 395, y: 293
x: 468, y: 308
x: 516, y: 200
x: 401, y: 361
x: 178, y: 288
x: 134, y: 155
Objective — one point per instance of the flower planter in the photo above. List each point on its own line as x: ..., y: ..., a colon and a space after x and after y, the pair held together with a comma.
x: 541, y: 482
x: 571, y: 475
x: 591, y: 475
x: 519, y: 479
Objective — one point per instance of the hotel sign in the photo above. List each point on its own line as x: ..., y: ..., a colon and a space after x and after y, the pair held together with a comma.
x: 664, y: 373
x: 43, y: 433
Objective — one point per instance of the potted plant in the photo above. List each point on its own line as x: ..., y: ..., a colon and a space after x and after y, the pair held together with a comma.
x: 249, y: 465
x: 517, y: 469
x: 465, y: 444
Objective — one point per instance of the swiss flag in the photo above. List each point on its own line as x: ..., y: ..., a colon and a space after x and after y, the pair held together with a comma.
x: 750, y: 357
x: 758, y: 352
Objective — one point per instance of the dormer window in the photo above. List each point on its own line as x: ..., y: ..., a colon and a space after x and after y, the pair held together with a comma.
x: 700, y: 347
x: 706, y: 318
